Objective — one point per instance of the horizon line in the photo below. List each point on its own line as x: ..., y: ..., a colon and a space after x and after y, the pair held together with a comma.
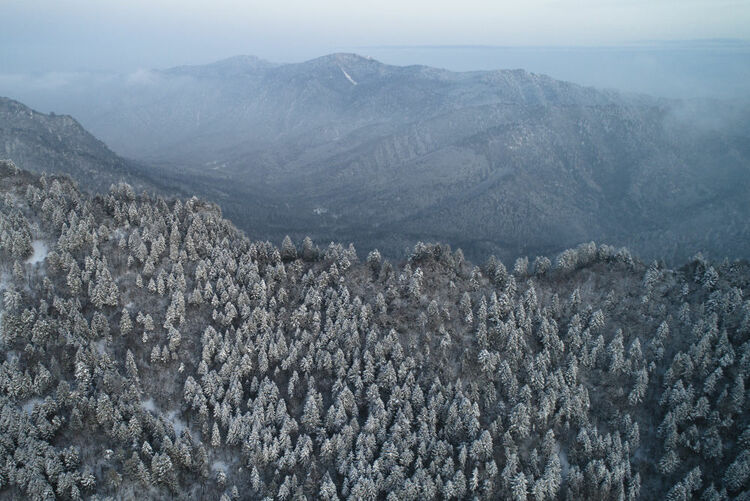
x: 651, y: 43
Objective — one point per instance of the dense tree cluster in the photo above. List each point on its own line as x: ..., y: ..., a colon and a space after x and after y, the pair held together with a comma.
x: 157, y: 350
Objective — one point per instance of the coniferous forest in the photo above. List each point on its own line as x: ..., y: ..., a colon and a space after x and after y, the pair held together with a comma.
x: 152, y: 350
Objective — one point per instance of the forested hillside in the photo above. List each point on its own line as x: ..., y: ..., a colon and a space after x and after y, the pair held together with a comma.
x: 151, y: 350
x: 57, y: 144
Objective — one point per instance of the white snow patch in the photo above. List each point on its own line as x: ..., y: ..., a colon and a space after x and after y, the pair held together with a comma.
x: 29, y: 405
x: 149, y: 405
x: 564, y: 464
x: 40, y: 252
x: 177, y: 423
x: 219, y: 466
x: 101, y: 346
x: 348, y: 77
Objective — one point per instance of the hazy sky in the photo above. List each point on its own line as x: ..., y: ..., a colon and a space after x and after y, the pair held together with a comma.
x: 91, y: 35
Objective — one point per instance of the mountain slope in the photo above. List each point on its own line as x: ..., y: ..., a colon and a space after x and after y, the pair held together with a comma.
x: 345, y: 147
x: 155, y: 352
x: 58, y: 144
x: 241, y: 103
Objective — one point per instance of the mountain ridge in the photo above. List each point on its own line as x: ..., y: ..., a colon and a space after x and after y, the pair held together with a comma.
x: 345, y: 147
x: 59, y: 144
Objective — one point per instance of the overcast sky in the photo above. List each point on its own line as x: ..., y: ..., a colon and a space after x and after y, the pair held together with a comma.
x: 91, y: 35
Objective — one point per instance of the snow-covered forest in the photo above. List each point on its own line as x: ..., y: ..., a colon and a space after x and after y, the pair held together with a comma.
x: 152, y: 350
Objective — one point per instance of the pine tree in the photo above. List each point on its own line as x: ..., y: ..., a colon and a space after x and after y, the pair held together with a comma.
x: 288, y: 250
x: 215, y: 436
x: 519, y: 489
x: 126, y: 324
x: 311, y: 414
x: 521, y: 267
x: 104, y: 292
x: 162, y: 470
x: 737, y: 395
x: 130, y: 366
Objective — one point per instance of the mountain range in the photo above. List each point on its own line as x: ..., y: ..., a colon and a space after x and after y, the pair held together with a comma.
x: 150, y: 349
x: 507, y: 162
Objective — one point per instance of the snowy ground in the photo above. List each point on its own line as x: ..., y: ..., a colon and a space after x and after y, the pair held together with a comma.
x: 40, y: 252
x: 149, y: 405
x: 29, y: 405
x: 219, y: 466
x: 177, y: 423
x: 101, y: 346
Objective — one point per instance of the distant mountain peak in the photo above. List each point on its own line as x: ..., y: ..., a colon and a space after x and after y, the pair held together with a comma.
x: 347, y: 57
x: 345, y: 60
x: 10, y: 105
x: 244, y: 60
x: 10, y: 109
x: 231, y: 66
